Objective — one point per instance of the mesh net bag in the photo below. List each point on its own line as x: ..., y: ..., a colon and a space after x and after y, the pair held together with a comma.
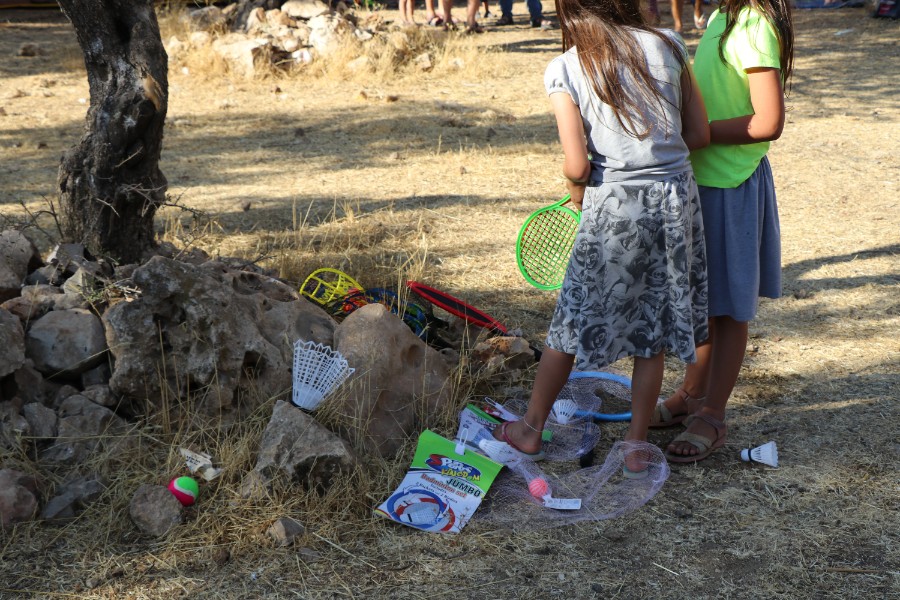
x: 606, y: 491
x: 592, y: 391
x: 568, y: 441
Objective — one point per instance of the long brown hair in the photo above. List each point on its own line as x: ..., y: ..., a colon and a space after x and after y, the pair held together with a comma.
x: 778, y: 13
x: 602, y: 33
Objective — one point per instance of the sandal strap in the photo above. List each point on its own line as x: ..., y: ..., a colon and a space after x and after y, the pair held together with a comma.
x: 720, y: 427
x: 661, y: 414
x: 700, y: 442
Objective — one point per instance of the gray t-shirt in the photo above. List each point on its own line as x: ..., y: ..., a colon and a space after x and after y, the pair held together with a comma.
x: 616, y: 155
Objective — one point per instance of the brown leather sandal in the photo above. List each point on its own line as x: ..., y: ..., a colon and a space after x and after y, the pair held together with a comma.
x: 705, y: 445
x: 663, y: 417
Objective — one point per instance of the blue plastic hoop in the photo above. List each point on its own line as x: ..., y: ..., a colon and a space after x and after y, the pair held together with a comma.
x: 625, y: 416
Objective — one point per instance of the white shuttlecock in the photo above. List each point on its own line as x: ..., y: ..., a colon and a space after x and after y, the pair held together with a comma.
x: 564, y: 410
x: 499, y: 452
x: 317, y: 371
x: 421, y: 513
x: 766, y: 454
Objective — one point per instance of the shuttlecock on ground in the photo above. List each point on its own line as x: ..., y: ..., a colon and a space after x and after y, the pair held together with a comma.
x: 766, y: 454
x: 317, y: 371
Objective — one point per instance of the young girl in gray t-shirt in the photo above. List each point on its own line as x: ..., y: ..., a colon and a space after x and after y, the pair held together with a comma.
x: 628, y: 113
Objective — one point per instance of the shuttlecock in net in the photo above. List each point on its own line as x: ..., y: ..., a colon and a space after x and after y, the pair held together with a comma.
x: 317, y: 371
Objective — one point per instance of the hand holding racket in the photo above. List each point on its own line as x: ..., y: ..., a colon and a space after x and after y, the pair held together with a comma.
x: 545, y: 244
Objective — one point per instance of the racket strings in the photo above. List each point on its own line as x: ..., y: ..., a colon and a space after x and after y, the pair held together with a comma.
x: 547, y: 246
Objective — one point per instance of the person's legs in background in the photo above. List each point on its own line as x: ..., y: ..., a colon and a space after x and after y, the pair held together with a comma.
x: 505, y: 13
x: 472, y: 25
x: 430, y: 16
x: 699, y: 17
x: 536, y: 13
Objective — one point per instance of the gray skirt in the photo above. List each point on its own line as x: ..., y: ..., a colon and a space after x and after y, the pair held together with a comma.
x: 743, y: 245
x: 636, y: 281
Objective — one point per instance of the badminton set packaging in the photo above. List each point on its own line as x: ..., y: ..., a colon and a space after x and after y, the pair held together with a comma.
x: 443, y: 488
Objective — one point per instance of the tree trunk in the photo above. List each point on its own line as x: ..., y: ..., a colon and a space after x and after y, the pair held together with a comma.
x: 110, y: 184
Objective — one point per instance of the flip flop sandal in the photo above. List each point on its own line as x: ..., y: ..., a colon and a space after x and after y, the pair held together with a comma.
x: 435, y: 21
x: 635, y: 475
x: 534, y: 456
x: 643, y: 459
x: 663, y: 417
x: 705, y: 445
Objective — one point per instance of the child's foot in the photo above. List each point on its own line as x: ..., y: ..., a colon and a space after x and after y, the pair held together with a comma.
x: 705, y: 434
x: 700, y: 20
x: 636, y: 464
x: 675, y: 409
x: 520, y: 437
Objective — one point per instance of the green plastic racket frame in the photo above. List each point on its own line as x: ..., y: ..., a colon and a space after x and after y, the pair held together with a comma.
x: 520, y: 259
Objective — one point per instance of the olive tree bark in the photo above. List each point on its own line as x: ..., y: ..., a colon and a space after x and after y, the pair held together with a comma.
x: 110, y: 184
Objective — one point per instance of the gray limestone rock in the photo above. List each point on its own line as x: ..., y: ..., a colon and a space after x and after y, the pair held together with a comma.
x: 154, y: 510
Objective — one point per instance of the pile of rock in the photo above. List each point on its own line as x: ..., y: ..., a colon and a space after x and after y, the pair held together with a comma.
x: 249, y: 37
x: 90, y: 347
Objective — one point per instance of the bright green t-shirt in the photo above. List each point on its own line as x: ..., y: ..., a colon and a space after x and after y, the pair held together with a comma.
x: 726, y: 92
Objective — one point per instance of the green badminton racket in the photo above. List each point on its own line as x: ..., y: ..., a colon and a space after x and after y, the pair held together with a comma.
x: 545, y: 244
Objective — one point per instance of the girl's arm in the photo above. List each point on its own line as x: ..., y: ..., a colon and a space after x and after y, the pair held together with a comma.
x: 576, y: 166
x: 767, y: 120
x: 694, y: 122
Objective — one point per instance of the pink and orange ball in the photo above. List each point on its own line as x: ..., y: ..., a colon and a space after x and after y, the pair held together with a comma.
x: 538, y: 487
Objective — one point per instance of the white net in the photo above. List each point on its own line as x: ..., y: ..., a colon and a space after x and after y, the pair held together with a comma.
x: 596, y: 395
x: 606, y: 491
x: 317, y: 371
x: 567, y: 441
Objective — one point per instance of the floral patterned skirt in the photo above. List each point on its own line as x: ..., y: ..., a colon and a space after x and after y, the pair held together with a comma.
x: 636, y: 281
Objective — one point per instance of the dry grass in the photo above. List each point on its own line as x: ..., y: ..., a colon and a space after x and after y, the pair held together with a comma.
x: 395, y: 173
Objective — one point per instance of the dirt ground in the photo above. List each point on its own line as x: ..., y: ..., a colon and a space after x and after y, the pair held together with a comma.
x: 431, y: 174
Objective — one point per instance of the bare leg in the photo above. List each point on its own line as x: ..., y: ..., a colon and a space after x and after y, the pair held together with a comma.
x: 646, y: 381
x: 727, y: 356
x: 552, y: 374
x: 405, y: 8
x: 676, y: 14
x: 429, y: 11
x: 696, y: 377
x: 447, y: 7
x: 699, y: 17
x: 471, y: 11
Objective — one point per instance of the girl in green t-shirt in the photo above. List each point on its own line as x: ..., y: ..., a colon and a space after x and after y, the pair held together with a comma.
x: 742, y: 64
